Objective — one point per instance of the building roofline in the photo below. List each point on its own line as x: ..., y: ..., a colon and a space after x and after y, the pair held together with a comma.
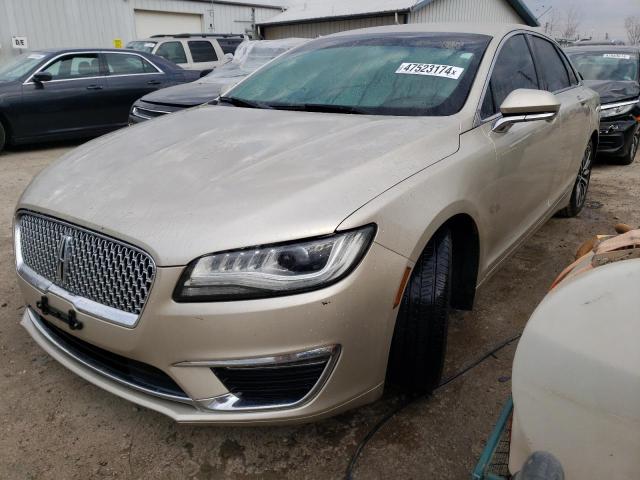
x: 518, y: 5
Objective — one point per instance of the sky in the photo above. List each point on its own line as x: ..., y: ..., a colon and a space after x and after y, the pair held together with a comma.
x: 598, y: 16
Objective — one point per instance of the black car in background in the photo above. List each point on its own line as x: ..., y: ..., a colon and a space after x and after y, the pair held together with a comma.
x: 60, y: 94
x: 613, y: 72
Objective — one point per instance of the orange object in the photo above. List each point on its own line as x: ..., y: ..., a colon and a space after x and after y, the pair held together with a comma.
x: 403, y: 283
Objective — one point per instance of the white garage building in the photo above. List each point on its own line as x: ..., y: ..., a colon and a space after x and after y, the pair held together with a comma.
x: 312, y: 18
x: 97, y: 23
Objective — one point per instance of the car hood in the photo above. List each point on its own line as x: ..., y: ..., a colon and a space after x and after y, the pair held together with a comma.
x: 215, y: 178
x: 190, y: 94
x: 614, y: 91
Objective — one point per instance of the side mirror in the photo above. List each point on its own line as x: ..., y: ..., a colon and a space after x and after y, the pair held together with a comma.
x: 524, y: 105
x: 41, y: 77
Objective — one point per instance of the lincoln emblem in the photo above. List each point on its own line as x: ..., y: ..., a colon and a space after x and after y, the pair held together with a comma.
x: 64, y: 254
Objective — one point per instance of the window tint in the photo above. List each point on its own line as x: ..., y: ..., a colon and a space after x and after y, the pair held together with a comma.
x: 552, y: 70
x: 202, y: 51
x: 75, y: 66
x: 572, y: 74
x: 121, y: 64
x: 513, y: 69
x: 172, y: 51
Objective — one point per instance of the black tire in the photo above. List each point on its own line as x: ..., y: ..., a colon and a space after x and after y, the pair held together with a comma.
x: 581, y: 187
x: 419, y: 340
x: 3, y: 137
x: 632, y: 150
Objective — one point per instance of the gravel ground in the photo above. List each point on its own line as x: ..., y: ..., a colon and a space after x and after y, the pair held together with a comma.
x: 57, y: 426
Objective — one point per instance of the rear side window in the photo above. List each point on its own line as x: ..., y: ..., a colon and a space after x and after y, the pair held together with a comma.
x: 513, y: 69
x: 202, y: 51
x: 553, y: 72
x: 75, y: 66
x: 229, y: 45
x: 122, y: 64
x: 172, y: 51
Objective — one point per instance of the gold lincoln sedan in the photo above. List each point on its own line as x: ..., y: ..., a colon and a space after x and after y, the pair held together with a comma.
x: 281, y: 254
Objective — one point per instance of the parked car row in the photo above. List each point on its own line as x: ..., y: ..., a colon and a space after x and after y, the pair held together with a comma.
x: 249, y: 56
x: 279, y: 256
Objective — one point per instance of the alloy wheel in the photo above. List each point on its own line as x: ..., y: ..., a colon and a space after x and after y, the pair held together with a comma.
x: 584, y: 176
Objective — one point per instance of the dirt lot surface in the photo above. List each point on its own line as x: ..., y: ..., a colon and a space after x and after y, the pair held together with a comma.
x: 57, y: 426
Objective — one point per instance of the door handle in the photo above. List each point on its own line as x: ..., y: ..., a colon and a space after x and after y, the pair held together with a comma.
x: 154, y: 82
x: 94, y: 87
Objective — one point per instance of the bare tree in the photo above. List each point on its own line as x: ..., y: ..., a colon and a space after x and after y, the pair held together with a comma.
x: 572, y: 21
x: 632, y: 24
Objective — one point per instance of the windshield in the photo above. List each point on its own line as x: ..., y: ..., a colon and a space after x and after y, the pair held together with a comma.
x: 249, y: 56
x: 141, y: 46
x: 392, y: 74
x: 606, y: 65
x: 20, y: 66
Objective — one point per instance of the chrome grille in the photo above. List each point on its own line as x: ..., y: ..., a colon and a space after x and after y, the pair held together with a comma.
x: 85, y: 263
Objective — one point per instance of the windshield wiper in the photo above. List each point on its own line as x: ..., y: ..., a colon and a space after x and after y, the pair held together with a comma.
x: 238, y: 102
x: 322, y: 107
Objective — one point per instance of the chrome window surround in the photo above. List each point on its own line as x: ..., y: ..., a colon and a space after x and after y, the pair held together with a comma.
x: 221, y: 403
x: 158, y: 71
x: 81, y: 304
x: 230, y: 402
x: 479, y: 120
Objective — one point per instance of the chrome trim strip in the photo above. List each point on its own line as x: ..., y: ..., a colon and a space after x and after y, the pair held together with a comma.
x: 136, y: 111
x: 87, y: 363
x: 503, y: 124
x: 81, y: 304
x: 609, y: 106
x: 230, y: 402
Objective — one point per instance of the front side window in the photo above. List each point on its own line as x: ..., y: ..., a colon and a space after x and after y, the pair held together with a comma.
x: 172, y: 51
x: 553, y: 73
x: 513, y: 69
x: 407, y: 74
x: 606, y: 65
x: 202, y: 51
x: 78, y: 65
x: 123, y: 64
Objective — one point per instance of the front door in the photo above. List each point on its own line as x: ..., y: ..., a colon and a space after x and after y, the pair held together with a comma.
x: 526, y: 155
x: 70, y: 103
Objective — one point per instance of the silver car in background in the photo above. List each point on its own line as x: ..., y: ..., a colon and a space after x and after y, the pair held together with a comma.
x: 280, y: 256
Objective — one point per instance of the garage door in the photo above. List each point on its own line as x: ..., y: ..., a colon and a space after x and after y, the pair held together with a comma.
x: 149, y: 22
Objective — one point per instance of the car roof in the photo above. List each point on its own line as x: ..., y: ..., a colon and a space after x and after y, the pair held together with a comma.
x: 602, y: 48
x: 491, y: 29
x: 56, y: 51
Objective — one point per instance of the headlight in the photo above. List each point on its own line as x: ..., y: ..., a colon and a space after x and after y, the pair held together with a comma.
x: 615, y: 109
x: 274, y: 270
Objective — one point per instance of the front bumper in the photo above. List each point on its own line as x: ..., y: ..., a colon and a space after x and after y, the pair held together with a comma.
x: 184, y: 340
x: 615, y: 136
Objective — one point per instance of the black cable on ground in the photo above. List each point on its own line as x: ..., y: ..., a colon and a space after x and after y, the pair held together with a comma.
x: 408, y: 400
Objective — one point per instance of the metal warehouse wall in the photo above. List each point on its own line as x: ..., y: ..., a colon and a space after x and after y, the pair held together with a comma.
x: 315, y: 29
x: 498, y: 11
x: 96, y: 23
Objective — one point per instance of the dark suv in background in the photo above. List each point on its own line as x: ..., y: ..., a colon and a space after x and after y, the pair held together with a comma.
x: 613, y: 72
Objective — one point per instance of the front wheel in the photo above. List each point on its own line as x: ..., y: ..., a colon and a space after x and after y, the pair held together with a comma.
x: 581, y: 187
x: 420, y: 337
x: 632, y: 151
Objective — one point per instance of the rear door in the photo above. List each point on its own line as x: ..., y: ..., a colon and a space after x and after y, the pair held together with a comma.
x: 71, y: 102
x: 129, y: 77
x: 572, y: 134
x: 526, y: 155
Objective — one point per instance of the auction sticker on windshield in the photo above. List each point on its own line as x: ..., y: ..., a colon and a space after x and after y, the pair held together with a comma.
x: 621, y: 56
x: 430, y: 69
